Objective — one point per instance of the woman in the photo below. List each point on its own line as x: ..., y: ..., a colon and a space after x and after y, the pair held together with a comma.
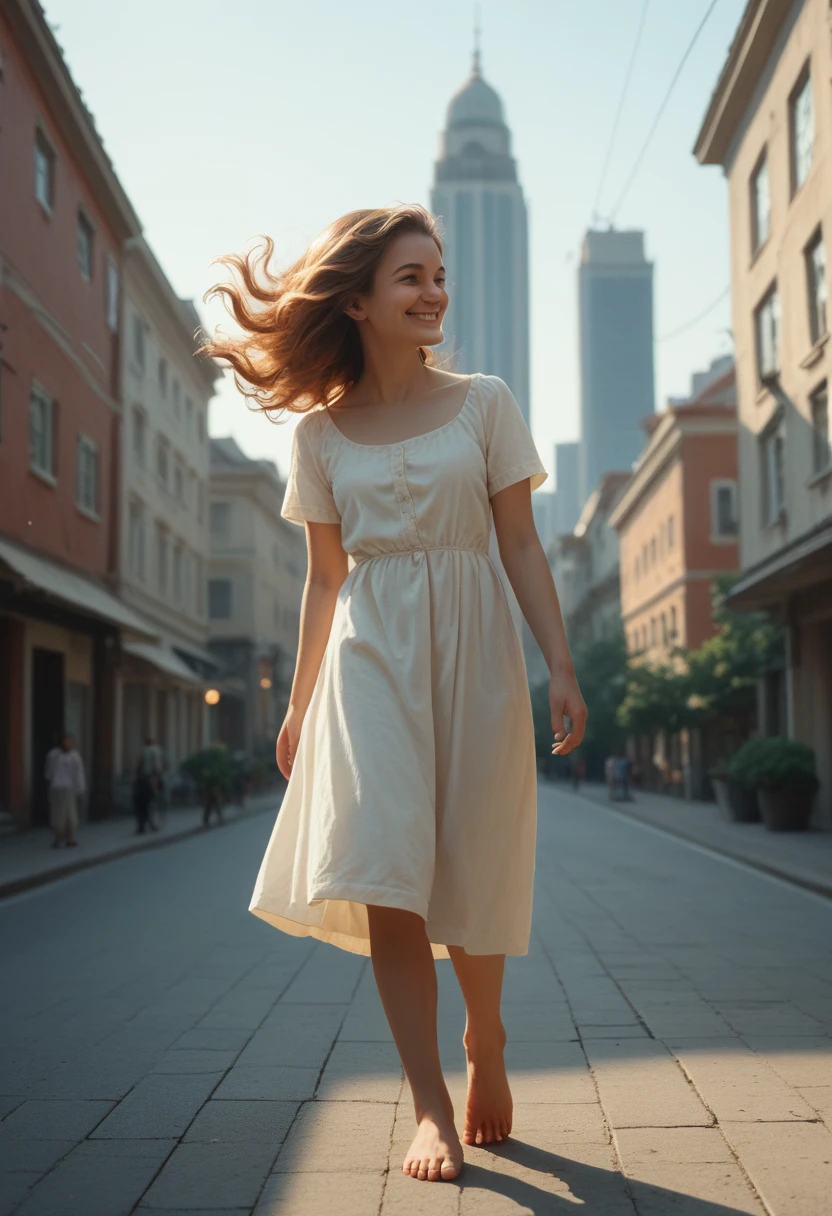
x: 407, y: 829
x: 64, y: 773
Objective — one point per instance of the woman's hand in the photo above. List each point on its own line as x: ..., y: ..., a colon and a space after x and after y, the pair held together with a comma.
x: 287, y: 741
x: 565, y: 700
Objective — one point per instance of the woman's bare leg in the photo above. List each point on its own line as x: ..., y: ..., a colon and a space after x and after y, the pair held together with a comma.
x: 406, y: 977
x: 489, y: 1108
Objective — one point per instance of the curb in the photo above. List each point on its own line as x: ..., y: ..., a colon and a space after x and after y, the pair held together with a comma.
x: 29, y: 881
x: 815, y: 885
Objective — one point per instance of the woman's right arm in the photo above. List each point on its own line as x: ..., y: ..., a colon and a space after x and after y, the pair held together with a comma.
x: 326, y: 571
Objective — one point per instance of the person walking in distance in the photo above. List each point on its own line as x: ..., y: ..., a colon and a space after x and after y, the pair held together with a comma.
x: 64, y: 773
x: 148, y: 782
x: 407, y: 829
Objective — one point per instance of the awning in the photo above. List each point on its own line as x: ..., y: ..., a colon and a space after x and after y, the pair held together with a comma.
x: 799, y: 565
x: 163, y: 658
x: 79, y: 592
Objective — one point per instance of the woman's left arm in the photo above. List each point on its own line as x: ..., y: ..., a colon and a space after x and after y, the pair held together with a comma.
x: 525, y: 563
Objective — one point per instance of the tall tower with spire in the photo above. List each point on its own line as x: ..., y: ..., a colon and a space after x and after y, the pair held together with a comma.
x: 479, y: 201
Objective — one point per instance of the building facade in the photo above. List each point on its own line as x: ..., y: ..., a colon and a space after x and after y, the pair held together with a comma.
x: 594, y: 608
x: 478, y: 199
x: 615, y: 311
x: 567, y: 472
x: 677, y: 523
x: 163, y: 525
x: 256, y: 577
x: 769, y: 125
x: 63, y: 222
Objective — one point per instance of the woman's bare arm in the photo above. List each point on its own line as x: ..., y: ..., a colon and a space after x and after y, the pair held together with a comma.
x: 525, y: 563
x: 326, y: 571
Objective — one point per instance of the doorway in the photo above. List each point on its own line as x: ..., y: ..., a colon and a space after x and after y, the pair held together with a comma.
x: 47, y: 723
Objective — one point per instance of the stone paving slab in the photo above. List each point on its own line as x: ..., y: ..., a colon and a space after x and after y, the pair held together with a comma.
x: 790, y: 1164
x: 315, y: 1194
x: 641, y: 1085
x: 738, y: 1084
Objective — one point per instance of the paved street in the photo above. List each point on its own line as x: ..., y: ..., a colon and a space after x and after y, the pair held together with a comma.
x: 670, y: 1049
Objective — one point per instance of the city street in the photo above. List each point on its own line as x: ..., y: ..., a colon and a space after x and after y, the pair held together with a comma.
x: 669, y: 1042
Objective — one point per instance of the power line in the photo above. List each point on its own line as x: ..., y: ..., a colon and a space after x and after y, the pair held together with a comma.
x: 620, y: 108
x: 695, y: 320
x: 661, y: 110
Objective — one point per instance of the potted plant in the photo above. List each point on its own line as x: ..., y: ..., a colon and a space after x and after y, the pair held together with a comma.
x: 783, y: 773
x: 737, y: 802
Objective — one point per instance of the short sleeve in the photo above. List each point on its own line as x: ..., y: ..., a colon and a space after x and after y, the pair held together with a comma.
x: 308, y: 494
x: 511, y: 454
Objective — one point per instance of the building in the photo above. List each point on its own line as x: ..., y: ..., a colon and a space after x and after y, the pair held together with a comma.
x: 615, y: 304
x: 567, y: 461
x: 594, y: 606
x: 256, y: 577
x: 479, y: 201
x: 677, y: 522
x: 64, y: 219
x: 769, y: 125
x: 163, y: 549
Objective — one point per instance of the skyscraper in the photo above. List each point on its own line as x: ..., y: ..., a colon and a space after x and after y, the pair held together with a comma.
x: 615, y: 299
x: 479, y: 200
x: 569, y: 503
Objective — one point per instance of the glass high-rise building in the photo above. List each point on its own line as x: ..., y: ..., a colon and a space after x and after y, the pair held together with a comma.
x: 479, y: 201
x: 615, y: 300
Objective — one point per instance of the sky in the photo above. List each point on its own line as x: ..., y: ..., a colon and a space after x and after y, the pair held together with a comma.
x: 225, y: 121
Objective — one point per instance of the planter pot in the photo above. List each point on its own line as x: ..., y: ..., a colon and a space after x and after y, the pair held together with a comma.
x: 786, y: 810
x: 737, y: 802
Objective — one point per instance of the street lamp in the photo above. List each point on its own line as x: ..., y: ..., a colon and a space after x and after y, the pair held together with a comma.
x: 212, y: 696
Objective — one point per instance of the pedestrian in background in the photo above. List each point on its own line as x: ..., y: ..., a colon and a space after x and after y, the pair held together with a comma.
x: 609, y: 774
x: 64, y: 773
x: 407, y: 830
x: 147, y: 784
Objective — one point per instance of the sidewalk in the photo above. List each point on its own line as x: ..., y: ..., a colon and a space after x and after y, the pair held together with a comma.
x: 804, y: 858
x: 27, y: 860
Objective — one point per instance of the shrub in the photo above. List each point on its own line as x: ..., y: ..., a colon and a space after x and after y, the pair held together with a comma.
x: 775, y: 763
x: 211, y: 767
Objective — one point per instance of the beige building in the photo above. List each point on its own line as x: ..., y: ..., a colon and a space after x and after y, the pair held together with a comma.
x: 255, y: 586
x: 585, y: 567
x: 163, y: 533
x: 769, y: 124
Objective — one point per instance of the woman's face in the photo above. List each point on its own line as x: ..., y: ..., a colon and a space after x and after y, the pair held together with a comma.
x: 408, y: 300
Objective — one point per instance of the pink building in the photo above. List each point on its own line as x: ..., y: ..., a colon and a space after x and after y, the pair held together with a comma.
x: 64, y: 220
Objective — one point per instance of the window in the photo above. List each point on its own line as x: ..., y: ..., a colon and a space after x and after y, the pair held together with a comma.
x: 760, y: 204
x: 816, y: 286
x: 163, y: 377
x: 821, y: 448
x: 178, y: 482
x: 219, y: 599
x: 664, y: 628
x: 220, y: 519
x: 139, y: 343
x: 41, y: 431
x: 162, y: 462
x: 86, y: 475
x: 44, y: 171
x: 177, y: 574
x: 85, y: 235
x: 189, y: 410
x: 200, y: 426
x: 672, y: 622
x: 200, y: 586
x: 767, y: 327
x: 162, y: 548
x: 671, y: 531
x: 177, y: 397
x: 112, y: 296
x: 136, y: 540
x: 200, y: 502
x: 772, y: 456
x: 723, y: 509
x: 801, y: 129
x: 652, y: 551
x: 139, y: 435
x: 652, y: 631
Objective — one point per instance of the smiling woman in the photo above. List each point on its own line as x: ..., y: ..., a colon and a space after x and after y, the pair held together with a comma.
x: 299, y: 345
x: 407, y: 828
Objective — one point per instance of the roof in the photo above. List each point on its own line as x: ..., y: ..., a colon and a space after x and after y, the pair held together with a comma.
x: 602, y: 499
x: 753, y: 43
x: 475, y: 102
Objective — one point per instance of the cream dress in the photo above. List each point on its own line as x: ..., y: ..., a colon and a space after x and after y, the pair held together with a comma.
x: 414, y: 784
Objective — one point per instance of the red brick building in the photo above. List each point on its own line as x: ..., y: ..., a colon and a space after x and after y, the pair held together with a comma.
x: 64, y: 221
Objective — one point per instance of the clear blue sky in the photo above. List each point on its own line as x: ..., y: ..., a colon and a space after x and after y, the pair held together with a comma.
x: 227, y: 120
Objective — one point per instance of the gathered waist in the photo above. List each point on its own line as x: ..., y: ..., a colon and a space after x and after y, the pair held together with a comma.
x: 421, y: 549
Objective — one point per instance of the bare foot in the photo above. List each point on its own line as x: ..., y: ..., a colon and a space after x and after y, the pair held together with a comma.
x: 489, y: 1108
x: 436, y: 1153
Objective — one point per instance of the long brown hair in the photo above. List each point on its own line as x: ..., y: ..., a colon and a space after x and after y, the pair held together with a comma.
x: 298, y: 348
